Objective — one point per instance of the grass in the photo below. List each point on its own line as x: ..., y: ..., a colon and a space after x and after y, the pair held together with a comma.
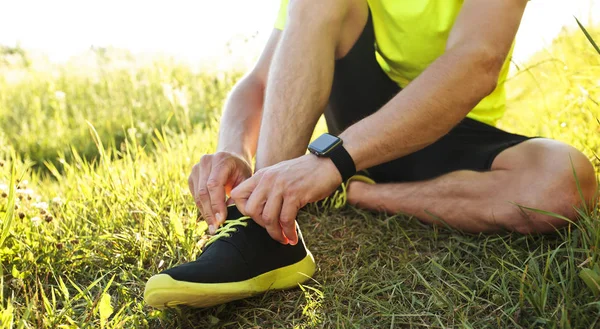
x: 114, y: 91
x: 102, y: 204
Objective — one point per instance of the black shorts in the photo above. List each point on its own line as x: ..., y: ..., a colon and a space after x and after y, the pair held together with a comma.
x: 361, y: 87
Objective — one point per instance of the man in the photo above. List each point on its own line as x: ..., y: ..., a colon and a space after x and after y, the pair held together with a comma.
x: 412, y: 89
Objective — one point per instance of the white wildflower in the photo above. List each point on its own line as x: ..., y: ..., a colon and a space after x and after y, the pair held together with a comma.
x: 41, y: 205
x: 36, y: 221
x: 60, y: 95
x: 57, y: 201
x: 132, y: 132
x: 168, y: 92
x: 181, y: 97
x: 26, y: 191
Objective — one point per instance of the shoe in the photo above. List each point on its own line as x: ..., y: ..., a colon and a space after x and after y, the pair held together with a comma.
x: 239, y: 261
x: 339, y: 198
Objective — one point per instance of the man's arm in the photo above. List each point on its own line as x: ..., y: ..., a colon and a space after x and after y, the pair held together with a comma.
x: 216, y: 174
x: 242, y: 115
x: 423, y: 112
x: 446, y: 91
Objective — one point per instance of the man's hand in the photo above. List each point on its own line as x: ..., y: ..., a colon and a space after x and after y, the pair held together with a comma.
x: 273, y: 196
x: 212, y: 179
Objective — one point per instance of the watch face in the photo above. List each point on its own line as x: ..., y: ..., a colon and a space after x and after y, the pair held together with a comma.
x: 324, y: 143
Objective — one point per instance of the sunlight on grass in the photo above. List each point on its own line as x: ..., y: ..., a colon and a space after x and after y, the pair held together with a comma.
x: 97, y: 202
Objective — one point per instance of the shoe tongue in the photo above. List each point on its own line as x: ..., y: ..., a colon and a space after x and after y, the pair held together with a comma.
x: 233, y: 212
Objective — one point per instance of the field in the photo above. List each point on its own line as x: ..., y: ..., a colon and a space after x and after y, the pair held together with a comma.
x: 94, y: 158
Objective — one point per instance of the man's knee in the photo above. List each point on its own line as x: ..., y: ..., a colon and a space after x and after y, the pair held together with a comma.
x: 576, y: 177
x: 569, y: 184
x: 318, y: 11
x: 341, y: 20
x: 534, y: 220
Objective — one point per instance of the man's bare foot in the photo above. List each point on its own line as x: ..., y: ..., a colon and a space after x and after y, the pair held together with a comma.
x: 356, y: 192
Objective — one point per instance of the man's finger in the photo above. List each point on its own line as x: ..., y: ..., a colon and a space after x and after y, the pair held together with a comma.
x: 200, y: 212
x: 272, y: 208
x: 255, y: 204
x: 274, y: 230
x: 216, y: 189
x: 287, y: 219
x: 191, y: 181
x: 242, y: 192
x: 202, y: 196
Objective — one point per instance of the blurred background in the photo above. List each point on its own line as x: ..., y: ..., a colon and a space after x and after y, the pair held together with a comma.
x: 130, y: 67
x: 224, y: 32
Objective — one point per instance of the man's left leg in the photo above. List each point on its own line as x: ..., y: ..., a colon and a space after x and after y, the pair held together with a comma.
x: 241, y: 259
x: 301, y: 74
x: 537, y: 173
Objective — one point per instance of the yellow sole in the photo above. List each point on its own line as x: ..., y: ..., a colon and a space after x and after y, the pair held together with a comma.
x: 163, y: 291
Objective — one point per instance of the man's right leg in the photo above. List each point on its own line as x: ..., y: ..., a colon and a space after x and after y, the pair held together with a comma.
x: 301, y: 74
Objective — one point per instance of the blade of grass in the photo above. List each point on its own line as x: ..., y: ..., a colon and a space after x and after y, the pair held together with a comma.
x: 10, y: 211
x: 588, y: 36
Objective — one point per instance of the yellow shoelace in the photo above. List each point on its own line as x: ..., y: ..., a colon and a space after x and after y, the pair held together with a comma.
x: 337, y: 200
x: 340, y: 197
x: 227, y: 228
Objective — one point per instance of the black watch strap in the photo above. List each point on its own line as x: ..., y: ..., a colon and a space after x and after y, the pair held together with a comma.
x: 343, y: 161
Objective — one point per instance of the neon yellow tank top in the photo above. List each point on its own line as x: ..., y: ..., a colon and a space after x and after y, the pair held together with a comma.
x: 410, y: 35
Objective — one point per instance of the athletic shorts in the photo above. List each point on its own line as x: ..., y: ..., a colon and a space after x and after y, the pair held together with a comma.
x: 361, y: 87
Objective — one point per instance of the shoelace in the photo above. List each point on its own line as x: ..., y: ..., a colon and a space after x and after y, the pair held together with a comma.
x: 337, y: 200
x: 226, y: 229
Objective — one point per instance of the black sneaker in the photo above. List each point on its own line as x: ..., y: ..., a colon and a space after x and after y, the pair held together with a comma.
x: 239, y: 261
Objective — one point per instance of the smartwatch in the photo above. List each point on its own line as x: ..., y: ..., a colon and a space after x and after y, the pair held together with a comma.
x: 329, y: 146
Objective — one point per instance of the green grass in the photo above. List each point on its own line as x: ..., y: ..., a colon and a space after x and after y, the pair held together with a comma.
x: 43, y: 110
x: 101, y: 207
